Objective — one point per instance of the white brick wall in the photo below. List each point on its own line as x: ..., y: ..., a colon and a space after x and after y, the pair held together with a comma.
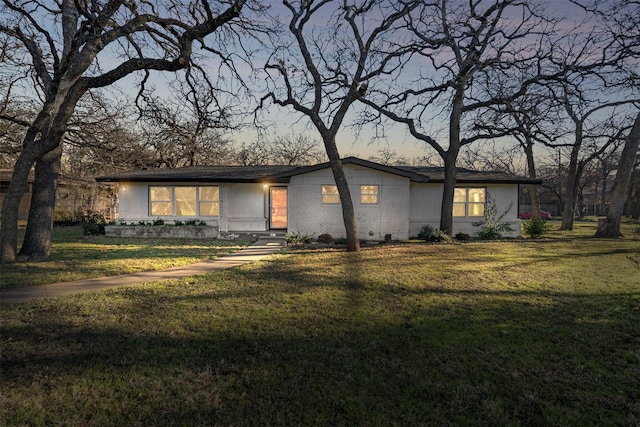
x: 308, y: 215
x: 426, y: 200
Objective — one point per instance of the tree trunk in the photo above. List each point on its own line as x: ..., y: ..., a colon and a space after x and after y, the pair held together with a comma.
x: 450, y: 157
x: 533, y: 188
x: 37, y: 240
x: 348, y: 213
x: 571, y: 191
x: 448, y: 190
x: 610, y: 226
x: 633, y: 198
x: 11, y: 204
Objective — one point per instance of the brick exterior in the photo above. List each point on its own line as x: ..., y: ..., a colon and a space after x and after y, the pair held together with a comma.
x: 308, y: 215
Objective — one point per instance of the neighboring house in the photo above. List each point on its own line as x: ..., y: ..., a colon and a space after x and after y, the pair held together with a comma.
x: 25, y: 202
x: 303, y: 199
x: 75, y: 197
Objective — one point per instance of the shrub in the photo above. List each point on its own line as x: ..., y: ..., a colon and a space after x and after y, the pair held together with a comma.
x: 325, y: 238
x: 430, y: 234
x: 493, y: 226
x: 441, y: 237
x: 298, y: 238
x: 535, y: 227
x: 463, y: 237
x: 93, y: 224
x: 387, y: 238
x: 66, y: 219
x: 427, y: 233
x: 178, y: 223
x: 158, y: 221
x: 340, y: 240
x: 191, y: 222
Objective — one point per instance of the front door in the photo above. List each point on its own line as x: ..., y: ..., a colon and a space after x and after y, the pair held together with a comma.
x: 278, y: 207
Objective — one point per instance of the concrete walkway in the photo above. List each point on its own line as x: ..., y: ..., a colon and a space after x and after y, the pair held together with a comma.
x: 255, y: 252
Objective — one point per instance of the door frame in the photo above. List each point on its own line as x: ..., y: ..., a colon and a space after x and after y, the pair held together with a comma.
x: 278, y: 187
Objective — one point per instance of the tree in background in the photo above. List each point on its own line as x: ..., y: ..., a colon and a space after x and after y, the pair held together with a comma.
x: 137, y: 36
x: 610, y: 226
x: 337, y: 48
x: 459, y: 49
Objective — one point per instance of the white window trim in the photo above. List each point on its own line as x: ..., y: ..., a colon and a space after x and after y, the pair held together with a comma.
x: 173, y: 200
x: 377, y: 194
x: 322, y: 195
x: 467, y: 202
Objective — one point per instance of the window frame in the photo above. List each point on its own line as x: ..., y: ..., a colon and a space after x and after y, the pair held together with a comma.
x: 468, y: 203
x: 172, y: 201
x: 326, y: 196
x: 364, y: 195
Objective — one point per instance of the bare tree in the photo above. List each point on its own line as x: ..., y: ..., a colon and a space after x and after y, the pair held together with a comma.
x: 622, y: 22
x: 390, y: 157
x: 188, y: 131
x: 596, y: 135
x: 144, y: 35
x: 327, y: 66
x: 460, y: 49
x: 280, y: 150
x: 610, y: 226
x: 15, y: 116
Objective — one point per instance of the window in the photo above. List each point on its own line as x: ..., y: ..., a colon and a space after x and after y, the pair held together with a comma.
x: 330, y: 195
x: 161, y: 201
x: 468, y: 201
x: 184, y: 201
x: 208, y: 199
x: 368, y: 194
x: 185, y: 198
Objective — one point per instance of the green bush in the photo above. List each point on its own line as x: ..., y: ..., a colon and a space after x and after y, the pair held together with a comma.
x: 463, y: 237
x: 535, y: 227
x: 298, y: 238
x: 430, y: 234
x: 93, y: 224
x: 325, y: 238
x: 493, y: 226
x: 66, y: 219
x: 427, y: 233
x: 158, y: 221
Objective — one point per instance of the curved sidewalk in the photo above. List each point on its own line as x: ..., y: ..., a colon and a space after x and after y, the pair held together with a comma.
x: 255, y: 252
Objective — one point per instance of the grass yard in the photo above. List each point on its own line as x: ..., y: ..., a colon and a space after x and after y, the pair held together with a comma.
x: 74, y: 257
x: 483, y: 334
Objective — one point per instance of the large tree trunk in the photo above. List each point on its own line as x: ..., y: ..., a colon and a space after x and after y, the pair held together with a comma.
x: 450, y: 157
x: 348, y: 213
x: 51, y: 133
x: 633, y: 198
x: 37, y: 240
x: 533, y: 188
x: 448, y: 190
x: 571, y: 190
x: 610, y: 226
x: 11, y: 204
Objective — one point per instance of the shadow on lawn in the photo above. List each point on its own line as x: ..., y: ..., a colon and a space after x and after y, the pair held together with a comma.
x: 288, y: 349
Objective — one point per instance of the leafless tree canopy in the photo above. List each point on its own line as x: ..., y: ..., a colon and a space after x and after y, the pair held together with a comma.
x: 54, y: 53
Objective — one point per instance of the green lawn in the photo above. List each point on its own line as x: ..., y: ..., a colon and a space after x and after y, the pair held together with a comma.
x: 483, y: 334
x: 74, y: 257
